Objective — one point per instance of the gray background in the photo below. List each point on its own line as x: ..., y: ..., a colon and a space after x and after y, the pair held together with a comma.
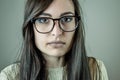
x: 102, y: 24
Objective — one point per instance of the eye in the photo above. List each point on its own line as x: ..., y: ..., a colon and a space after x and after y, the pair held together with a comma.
x: 43, y: 20
x: 66, y: 19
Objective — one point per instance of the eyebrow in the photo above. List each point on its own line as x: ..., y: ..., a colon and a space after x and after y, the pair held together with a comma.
x: 66, y: 13
x: 46, y: 14
x: 63, y: 14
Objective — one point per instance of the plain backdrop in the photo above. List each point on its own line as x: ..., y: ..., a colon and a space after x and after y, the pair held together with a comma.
x: 102, y: 25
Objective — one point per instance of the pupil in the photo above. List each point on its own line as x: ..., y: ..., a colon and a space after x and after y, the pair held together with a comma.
x: 66, y: 19
x: 43, y: 20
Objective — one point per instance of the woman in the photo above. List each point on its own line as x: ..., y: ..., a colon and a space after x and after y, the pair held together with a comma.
x: 54, y: 47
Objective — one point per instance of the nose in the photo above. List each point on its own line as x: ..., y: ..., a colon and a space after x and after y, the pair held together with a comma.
x: 56, y: 29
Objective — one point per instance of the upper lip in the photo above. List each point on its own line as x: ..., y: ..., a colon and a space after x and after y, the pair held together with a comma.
x: 56, y: 42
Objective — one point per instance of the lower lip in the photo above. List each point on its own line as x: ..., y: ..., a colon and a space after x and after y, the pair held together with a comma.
x: 56, y: 45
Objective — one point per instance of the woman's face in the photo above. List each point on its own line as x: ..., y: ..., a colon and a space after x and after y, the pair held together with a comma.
x: 55, y: 43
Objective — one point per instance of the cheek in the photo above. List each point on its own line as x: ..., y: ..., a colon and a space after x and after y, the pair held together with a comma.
x: 69, y: 38
x: 39, y: 40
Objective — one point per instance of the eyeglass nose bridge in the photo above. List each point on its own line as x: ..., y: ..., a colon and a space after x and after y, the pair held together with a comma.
x: 58, y: 20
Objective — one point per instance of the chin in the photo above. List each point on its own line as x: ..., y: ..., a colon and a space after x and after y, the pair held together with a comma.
x: 56, y: 53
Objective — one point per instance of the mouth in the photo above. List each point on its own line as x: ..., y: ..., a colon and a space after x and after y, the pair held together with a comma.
x: 56, y: 44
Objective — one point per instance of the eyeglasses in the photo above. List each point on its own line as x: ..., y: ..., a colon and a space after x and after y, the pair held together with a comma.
x: 46, y: 24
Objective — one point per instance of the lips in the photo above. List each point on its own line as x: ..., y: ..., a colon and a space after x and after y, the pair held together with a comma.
x: 56, y: 44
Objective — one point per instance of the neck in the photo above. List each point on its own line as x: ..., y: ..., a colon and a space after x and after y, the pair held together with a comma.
x: 54, y: 62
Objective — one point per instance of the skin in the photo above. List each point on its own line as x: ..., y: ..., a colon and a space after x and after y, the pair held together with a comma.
x: 54, y: 52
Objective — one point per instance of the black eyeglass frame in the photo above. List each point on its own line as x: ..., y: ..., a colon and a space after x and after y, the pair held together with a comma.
x: 56, y: 19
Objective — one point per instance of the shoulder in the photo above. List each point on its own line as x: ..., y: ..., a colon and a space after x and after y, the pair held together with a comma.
x: 11, y: 72
x: 97, y: 69
x: 102, y: 69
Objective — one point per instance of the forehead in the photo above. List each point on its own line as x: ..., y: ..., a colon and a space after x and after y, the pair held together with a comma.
x: 58, y: 7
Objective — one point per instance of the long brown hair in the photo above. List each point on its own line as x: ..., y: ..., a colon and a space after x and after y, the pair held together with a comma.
x: 32, y: 63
